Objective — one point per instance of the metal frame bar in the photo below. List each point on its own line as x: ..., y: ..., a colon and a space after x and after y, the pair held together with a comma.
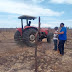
x: 36, y: 65
x: 27, y: 22
x: 22, y: 25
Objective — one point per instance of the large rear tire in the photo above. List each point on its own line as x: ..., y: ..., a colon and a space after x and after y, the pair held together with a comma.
x: 29, y: 37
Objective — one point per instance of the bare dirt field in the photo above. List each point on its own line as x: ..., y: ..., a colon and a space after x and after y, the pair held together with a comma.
x: 16, y: 58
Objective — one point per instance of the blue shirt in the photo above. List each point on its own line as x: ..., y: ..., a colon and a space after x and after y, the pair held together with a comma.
x: 63, y: 36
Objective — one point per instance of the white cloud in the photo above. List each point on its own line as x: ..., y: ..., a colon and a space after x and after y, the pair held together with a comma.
x: 37, y: 1
x: 57, y: 23
x: 23, y: 8
x: 61, y: 1
x: 53, y: 23
x: 57, y: 1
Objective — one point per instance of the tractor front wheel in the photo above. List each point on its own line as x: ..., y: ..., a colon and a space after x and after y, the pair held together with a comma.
x: 49, y: 37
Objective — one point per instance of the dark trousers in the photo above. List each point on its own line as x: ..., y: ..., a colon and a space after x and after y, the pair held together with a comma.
x: 55, y: 44
x: 61, y: 46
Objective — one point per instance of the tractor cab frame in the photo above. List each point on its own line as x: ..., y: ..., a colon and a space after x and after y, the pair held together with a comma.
x: 28, y: 23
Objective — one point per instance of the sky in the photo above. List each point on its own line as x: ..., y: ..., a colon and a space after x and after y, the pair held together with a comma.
x: 52, y: 12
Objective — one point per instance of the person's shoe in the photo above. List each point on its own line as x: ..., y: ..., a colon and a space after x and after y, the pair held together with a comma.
x: 61, y: 54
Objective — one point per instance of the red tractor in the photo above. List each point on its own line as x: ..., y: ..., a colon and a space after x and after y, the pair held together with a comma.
x: 27, y: 34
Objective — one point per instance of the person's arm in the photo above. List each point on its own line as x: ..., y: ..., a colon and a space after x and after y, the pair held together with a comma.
x: 59, y: 32
x: 63, y: 30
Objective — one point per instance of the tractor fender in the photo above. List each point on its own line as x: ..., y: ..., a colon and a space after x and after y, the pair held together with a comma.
x: 20, y: 29
x: 44, y: 30
x: 30, y: 28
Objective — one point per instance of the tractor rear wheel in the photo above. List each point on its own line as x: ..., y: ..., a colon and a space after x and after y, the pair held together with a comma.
x: 29, y: 36
x: 17, y: 36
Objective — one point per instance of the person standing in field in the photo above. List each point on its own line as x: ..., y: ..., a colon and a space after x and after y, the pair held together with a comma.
x: 55, y: 39
x: 62, y: 38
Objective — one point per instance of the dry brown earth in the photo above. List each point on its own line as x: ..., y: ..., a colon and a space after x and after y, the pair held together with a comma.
x: 14, y: 58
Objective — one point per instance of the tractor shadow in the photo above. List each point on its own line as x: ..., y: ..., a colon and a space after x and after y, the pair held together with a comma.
x: 21, y: 44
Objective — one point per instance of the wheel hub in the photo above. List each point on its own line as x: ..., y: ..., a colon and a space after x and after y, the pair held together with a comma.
x: 32, y: 37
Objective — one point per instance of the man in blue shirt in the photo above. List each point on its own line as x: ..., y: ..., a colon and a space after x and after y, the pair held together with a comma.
x: 62, y: 38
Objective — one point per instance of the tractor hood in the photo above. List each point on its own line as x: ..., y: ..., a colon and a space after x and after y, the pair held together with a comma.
x: 45, y: 30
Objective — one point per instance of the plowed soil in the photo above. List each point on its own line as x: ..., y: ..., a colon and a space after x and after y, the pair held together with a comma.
x: 17, y: 58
